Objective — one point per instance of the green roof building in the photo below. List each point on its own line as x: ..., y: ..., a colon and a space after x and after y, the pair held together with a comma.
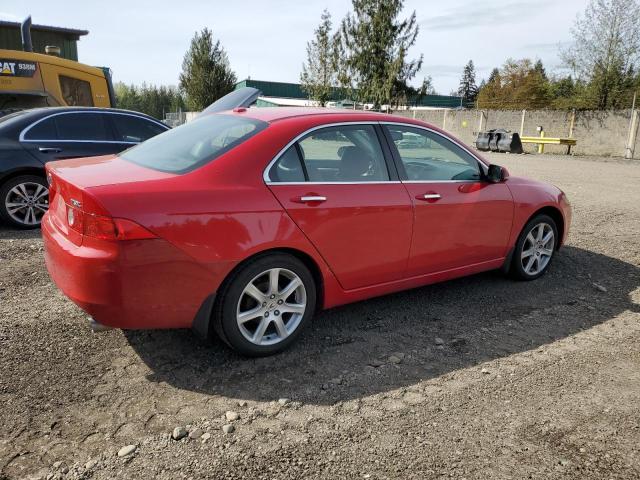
x: 42, y: 36
x: 291, y: 94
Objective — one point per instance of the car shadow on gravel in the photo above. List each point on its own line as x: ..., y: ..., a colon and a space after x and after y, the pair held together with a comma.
x: 398, y: 340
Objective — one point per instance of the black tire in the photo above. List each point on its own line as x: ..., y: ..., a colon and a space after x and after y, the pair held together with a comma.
x: 518, y: 270
x: 5, y: 197
x: 225, y: 311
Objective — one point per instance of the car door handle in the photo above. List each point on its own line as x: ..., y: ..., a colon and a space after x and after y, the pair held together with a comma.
x: 50, y: 149
x: 429, y: 196
x: 312, y: 198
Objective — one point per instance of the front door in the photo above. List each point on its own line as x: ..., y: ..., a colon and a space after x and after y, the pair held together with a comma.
x: 460, y: 218
x: 336, y: 185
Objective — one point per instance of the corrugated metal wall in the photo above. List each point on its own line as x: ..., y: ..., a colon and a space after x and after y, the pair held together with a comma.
x: 10, y: 39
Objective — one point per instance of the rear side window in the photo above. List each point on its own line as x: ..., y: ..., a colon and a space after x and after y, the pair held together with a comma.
x: 76, y: 92
x: 130, y: 128
x: 193, y: 144
x: 288, y: 168
x: 82, y: 126
x: 45, y: 130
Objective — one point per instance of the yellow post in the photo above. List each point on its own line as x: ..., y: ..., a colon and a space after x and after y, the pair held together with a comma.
x: 541, y: 145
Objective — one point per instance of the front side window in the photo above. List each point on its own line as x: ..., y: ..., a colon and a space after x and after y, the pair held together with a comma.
x: 134, y: 129
x: 193, y: 144
x: 427, y: 156
x: 348, y: 153
x: 76, y: 92
x: 82, y: 126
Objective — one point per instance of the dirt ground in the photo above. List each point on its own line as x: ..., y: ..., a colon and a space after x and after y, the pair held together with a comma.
x: 478, y: 378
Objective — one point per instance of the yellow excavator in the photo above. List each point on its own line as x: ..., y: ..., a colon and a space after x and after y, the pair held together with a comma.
x: 29, y: 80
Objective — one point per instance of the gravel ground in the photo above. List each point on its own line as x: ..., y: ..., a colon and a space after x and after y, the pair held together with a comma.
x: 477, y: 378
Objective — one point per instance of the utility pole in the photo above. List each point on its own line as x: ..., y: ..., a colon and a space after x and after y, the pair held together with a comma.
x: 633, y: 130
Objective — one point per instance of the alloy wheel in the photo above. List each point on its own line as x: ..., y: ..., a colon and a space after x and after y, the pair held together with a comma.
x: 27, y: 202
x: 271, y: 306
x: 537, y: 249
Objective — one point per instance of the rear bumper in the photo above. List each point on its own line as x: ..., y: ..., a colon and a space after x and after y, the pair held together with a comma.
x: 128, y: 284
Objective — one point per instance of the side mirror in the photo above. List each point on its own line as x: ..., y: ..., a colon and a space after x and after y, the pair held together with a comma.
x: 497, y: 174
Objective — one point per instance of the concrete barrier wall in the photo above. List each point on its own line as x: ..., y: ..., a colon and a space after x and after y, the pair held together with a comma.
x: 601, y: 133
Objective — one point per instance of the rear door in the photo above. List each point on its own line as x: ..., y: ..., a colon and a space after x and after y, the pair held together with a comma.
x: 70, y: 135
x: 460, y: 218
x: 342, y: 190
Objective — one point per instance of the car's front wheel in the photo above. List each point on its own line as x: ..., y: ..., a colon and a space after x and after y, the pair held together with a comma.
x: 265, y: 305
x: 535, y: 248
x: 24, y: 200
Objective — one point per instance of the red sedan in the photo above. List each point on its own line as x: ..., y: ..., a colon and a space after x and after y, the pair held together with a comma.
x: 247, y: 222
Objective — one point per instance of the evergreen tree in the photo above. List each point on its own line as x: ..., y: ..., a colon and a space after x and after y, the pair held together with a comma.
x: 539, y: 68
x: 468, y: 89
x: 206, y: 74
x: 320, y: 71
x: 375, y: 44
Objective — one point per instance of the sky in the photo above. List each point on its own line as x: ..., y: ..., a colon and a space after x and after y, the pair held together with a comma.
x: 144, y: 41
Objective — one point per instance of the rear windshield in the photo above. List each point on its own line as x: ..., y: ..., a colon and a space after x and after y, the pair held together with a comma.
x: 194, y: 144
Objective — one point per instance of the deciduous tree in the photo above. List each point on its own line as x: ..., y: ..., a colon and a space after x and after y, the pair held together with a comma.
x: 606, y: 46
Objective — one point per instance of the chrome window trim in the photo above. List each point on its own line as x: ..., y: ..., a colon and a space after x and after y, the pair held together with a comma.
x: 29, y: 127
x: 265, y: 174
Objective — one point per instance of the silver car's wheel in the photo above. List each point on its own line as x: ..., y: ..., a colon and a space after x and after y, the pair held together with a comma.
x: 25, y: 200
x: 537, y: 249
x: 271, y: 306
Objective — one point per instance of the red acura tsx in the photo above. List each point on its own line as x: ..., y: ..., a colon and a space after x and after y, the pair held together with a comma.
x: 246, y: 222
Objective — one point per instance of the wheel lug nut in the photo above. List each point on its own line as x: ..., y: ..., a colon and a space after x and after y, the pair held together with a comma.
x: 280, y: 302
x: 264, y: 304
x: 276, y: 313
x: 266, y: 314
x: 272, y: 296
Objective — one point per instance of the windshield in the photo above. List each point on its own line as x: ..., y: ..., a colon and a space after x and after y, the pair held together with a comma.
x: 193, y: 144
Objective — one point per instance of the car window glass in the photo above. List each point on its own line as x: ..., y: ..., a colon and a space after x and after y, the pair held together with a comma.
x: 130, y: 128
x: 82, y: 126
x: 44, y: 130
x: 193, y: 144
x: 76, y: 92
x: 288, y: 167
x: 349, y: 153
x: 427, y: 156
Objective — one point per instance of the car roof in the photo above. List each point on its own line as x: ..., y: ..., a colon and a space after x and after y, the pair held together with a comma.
x: 48, y: 110
x: 274, y: 114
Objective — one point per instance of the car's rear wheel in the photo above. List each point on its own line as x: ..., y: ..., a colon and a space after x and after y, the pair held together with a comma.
x: 24, y: 200
x: 535, y: 248
x: 265, y: 305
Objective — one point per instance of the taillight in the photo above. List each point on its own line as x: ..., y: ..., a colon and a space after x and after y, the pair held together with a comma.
x: 105, y: 228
